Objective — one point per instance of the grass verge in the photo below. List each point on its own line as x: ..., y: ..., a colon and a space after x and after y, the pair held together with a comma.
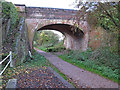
x: 82, y: 60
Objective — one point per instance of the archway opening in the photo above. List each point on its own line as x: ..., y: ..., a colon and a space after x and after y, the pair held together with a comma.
x: 49, y: 40
x: 73, y: 35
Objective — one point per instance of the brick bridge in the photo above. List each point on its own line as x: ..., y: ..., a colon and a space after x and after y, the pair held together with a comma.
x: 62, y: 20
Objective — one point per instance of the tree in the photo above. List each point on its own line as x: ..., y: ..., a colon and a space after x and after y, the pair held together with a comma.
x: 104, y: 14
x: 46, y: 38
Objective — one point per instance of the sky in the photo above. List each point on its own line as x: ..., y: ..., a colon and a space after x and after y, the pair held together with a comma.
x: 65, y: 4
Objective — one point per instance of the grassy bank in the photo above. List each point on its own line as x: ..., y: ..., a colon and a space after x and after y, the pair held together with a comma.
x: 100, y: 61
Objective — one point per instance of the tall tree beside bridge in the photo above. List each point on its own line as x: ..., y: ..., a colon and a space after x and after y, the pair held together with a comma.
x: 102, y: 14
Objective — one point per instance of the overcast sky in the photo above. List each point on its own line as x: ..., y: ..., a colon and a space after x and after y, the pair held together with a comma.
x: 66, y: 4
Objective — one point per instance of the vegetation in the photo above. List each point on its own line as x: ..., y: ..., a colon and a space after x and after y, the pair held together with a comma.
x: 105, y: 14
x: 55, y: 48
x: 48, y: 41
x: 45, y: 37
x: 15, y: 37
x: 100, y: 61
x: 9, y: 12
x: 37, y: 61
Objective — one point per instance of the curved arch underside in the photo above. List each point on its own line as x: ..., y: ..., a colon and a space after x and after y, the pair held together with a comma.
x: 73, y: 35
x: 64, y: 29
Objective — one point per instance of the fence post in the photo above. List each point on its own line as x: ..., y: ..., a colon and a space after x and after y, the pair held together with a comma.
x: 30, y: 54
x: 11, y: 63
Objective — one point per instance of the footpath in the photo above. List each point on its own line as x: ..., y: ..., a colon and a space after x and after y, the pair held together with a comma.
x: 83, y: 78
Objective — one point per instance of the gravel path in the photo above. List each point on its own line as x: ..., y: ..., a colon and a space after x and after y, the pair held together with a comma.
x: 84, y: 79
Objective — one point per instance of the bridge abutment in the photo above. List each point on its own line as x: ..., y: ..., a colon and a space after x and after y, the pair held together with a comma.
x: 73, y: 43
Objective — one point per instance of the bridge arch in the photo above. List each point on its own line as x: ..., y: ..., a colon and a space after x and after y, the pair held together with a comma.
x: 73, y: 35
x: 38, y: 18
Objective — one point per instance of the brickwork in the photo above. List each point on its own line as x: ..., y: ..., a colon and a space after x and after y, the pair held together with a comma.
x: 63, y: 20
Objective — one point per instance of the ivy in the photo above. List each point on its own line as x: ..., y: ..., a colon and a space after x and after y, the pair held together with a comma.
x: 9, y: 12
x: 13, y: 15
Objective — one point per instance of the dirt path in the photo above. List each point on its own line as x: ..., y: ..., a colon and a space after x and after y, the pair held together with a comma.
x: 83, y: 78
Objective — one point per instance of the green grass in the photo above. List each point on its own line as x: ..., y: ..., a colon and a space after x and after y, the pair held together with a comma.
x: 107, y: 67
x: 52, y: 48
x: 37, y: 62
x: 42, y: 48
x: 101, y: 61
